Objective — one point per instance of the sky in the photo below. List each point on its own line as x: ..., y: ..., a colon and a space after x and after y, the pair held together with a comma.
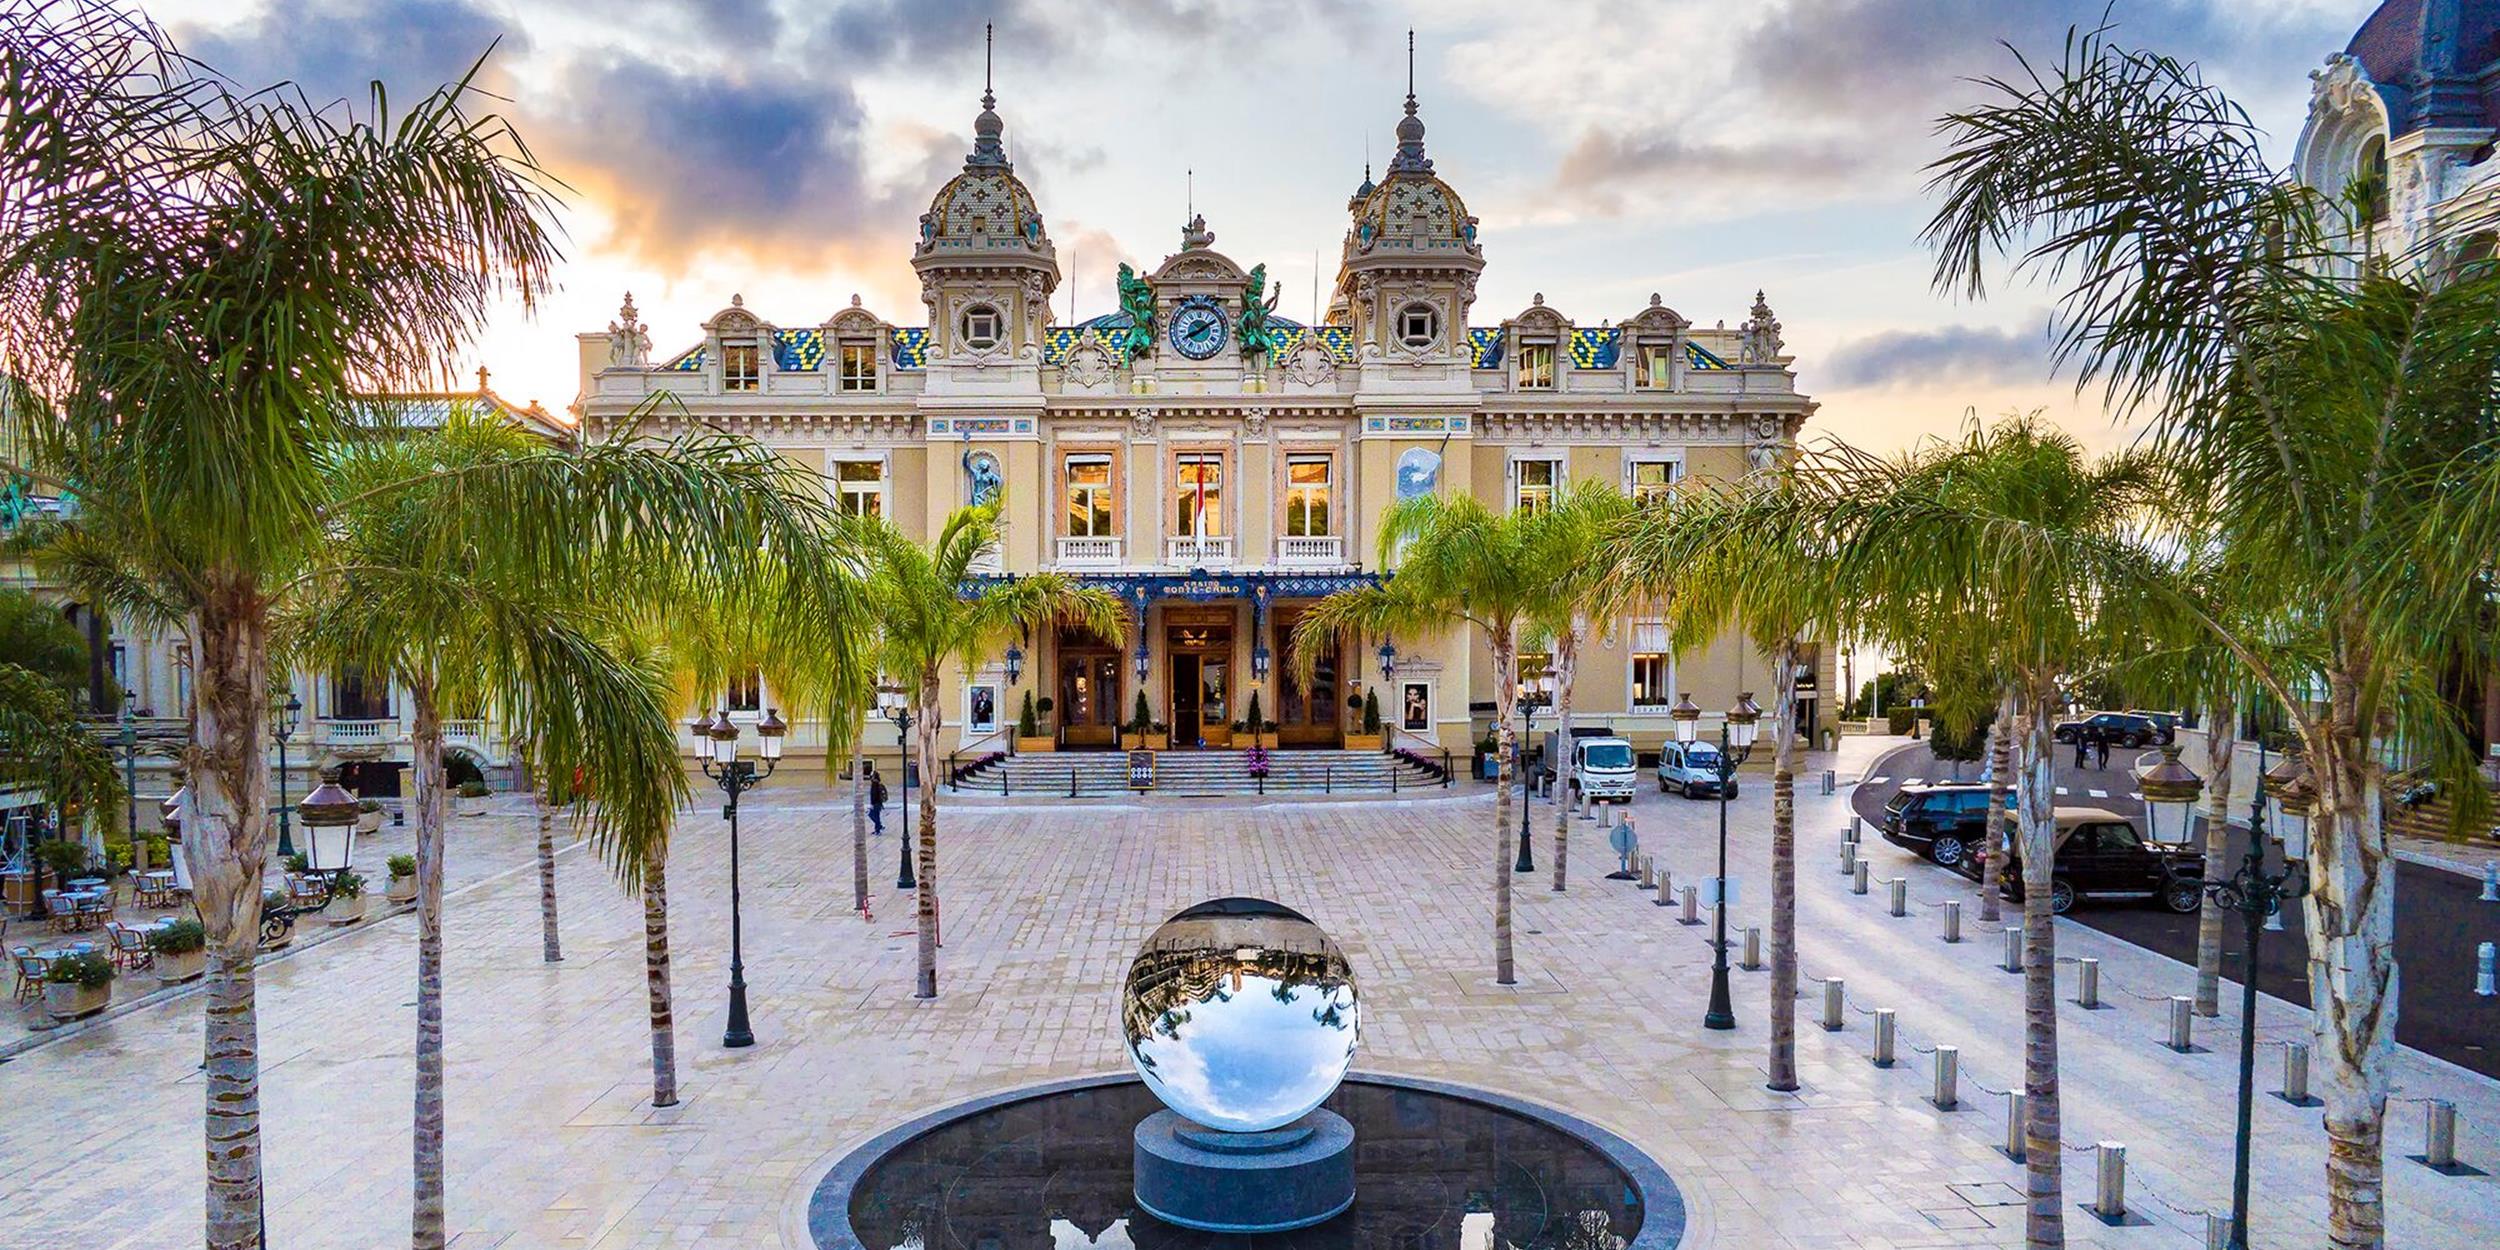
x: 783, y: 150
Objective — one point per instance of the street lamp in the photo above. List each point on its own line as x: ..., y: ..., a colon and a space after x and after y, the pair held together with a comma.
x: 2170, y: 790
x: 1388, y: 660
x: 1736, y: 737
x: 735, y: 777
x: 329, y: 807
x: 130, y: 766
x: 1015, y: 664
x: 291, y: 720
x: 1532, y: 694
x: 2258, y: 896
x: 897, y: 709
x: 2287, y: 790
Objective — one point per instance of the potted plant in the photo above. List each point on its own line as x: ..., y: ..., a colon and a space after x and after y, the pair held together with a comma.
x: 347, y: 899
x: 402, y: 887
x: 1369, y: 738
x: 67, y: 860
x: 1141, y: 721
x: 181, y: 950
x: 1029, y: 735
x: 160, y: 851
x: 77, y: 984
x: 270, y: 901
x: 1158, y: 736
x: 297, y: 863
x: 1257, y: 764
x: 368, y: 815
x: 1254, y: 722
x: 472, y: 798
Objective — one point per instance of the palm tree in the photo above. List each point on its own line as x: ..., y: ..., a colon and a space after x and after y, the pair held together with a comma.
x: 1569, y: 537
x: 2324, y: 409
x: 1457, y: 562
x: 933, y: 606
x: 193, y: 282
x: 1753, y: 554
x: 45, y: 748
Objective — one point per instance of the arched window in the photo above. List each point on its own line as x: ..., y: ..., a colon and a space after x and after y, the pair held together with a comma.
x: 2371, y: 173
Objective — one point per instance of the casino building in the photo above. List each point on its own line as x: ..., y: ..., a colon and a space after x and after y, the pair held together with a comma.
x: 1219, y: 466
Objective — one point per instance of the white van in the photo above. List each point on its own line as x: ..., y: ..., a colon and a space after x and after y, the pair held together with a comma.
x: 1691, y: 769
x: 1603, y: 770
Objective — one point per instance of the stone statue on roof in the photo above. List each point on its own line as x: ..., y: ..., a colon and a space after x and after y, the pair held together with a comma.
x: 1256, y: 303
x: 1137, y: 299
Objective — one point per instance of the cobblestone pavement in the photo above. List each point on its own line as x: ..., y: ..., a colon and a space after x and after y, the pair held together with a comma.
x: 552, y: 1143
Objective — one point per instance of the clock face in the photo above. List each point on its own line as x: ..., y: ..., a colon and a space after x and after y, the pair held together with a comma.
x: 1198, y: 331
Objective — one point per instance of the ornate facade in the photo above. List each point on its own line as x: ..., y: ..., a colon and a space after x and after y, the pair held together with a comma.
x: 1218, y: 465
x: 2413, y: 104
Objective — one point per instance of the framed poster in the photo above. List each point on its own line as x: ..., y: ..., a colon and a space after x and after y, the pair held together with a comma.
x: 1416, y: 707
x: 981, y: 709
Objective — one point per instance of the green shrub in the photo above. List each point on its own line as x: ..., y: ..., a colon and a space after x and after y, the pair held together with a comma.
x: 403, y: 865
x: 298, y: 862
x: 117, y: 858
x: 1371, y: 711
x: 160, y: 851
x: 347, y: 885
x: 472, y: 790
x: 1898, y: 720
x: 1028, y: 725
x: 179, y: 938
x: 1142, y: 717
x: 86, y: 969
x: 66, y: 858
x: 272, y: 900
x: 1046, y: 705
x: 1253, y: 717
x: 368, y: 806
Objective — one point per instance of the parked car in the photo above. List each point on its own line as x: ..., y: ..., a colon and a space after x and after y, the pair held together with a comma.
x: 2125, y: 729
x: 1603, y: 770
x: 1692, y: 770
x: 2100, y: 855
x: 1944, y: 822
x: 2165, y: 724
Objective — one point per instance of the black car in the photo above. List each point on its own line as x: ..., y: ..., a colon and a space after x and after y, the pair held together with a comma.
x: 2100, y: 855
x: 2165, y: 724
x: 2118, y: 728
x: 1944, y: 822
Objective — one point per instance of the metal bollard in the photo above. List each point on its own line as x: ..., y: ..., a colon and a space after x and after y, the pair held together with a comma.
x: 1848, y: 858
x: 1883, y: 1037
x: 1753, y: 950
x: 2013, y: 1146
x: 1900, y: 896
x: 1857, y: 878
x: 2182, y: 1013
x: 2439, y: 1133
x: 2296, y: 1073
x: 2013, y: 948
x: 2217, y: 1232
x: 1692, y: 906
x: 2110, y: 1196
x: 1649, y: 873
x: 2486, y: 967
x: 1953, y: 921
x: 1666, y: 884
x: 1947, y: 1093
x: 1835, y: 1005
x: 1856, y: 823
x: 2088, y: 984
x: 2491, y: 881
x: 1831, y: 781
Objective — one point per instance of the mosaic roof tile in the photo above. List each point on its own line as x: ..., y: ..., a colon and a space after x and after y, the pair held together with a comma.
x: 911, y: 347
x: 1699, y: 357
x: 1484, y: 347
x: 798, y: 351
x: 1596, y: 349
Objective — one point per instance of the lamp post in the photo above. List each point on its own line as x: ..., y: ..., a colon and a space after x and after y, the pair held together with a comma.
x: 292, y: 718
x: 1015, y: 664
x: 130, y: 767
x: 1736, y: 738
x: 735, y: 777
x: 1531, y: 696
x: 1388, y: 660
x: 897, y: 708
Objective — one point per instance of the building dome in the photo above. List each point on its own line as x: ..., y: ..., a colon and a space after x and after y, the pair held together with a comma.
x: 2427, y: 56
x: 986, y: 208
x: 1414, y: 212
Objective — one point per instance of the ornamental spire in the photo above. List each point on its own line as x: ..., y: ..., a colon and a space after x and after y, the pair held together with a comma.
x: 1410, y: 157
x: 987, y: 151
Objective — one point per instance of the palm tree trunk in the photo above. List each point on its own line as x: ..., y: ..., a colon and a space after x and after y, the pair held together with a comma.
x: 227, y: 847
x: 655, y: 976
x: 1783, y: 1068
x: 2221, y: 712
x: 425, y: 740
x: 859, y: 821
x: 1505, y: 702
x: 1998, y: 830
x: 1566, y: 666
x: 2352, y: 964
x: 926, y: 899
x: 551, y: 946
x: 2044, y: 1151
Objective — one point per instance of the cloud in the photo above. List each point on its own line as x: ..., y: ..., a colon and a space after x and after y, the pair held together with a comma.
x: 1957, y: 353
x: 411, y: 45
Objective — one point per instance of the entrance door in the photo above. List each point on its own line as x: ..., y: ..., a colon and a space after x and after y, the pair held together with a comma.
x: 1089, y: 697
x: 1185, y: 700
x: 1308, y: 714
x: 1200, y: 643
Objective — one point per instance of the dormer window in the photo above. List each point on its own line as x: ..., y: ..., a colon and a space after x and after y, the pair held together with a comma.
x: 1419, y: 327
x: 1654, y: 367
x: 741, y: 367
x: 983, y: 327
x: 2371, y: 171
x: 859, y: 367
x: 1536, y: 366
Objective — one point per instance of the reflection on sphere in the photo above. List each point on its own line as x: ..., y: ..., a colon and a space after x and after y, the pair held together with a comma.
x: 1240, y: 1014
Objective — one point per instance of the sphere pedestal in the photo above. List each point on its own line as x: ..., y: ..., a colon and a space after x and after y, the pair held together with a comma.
x: 1264, y: 1182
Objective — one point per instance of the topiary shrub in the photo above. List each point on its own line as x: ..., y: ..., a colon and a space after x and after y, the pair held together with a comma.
x: 1253, y: 717
x: 1371, y: 711
x: 1028, y: 725
x: 1142, y: 717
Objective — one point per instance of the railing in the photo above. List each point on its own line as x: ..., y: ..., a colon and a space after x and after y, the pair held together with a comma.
x: 1089, y: 550
x: 471, y: 732
x: 1315, y: 549
x: 1208, y: 551
x: 355, y: 732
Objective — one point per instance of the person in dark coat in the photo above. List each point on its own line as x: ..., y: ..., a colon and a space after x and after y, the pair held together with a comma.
x: 2083, y: 745
x: 876, y: 799
x: 2100, y: 751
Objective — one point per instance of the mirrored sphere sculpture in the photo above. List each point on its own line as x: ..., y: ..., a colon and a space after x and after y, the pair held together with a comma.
x: 1240, y: 1014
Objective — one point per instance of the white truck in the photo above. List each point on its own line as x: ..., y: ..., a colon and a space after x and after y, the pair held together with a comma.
x: 1599, y: 768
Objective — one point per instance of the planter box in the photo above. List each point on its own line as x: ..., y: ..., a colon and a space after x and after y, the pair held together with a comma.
x: 345, y: 910
x: 65, y: 1001
x: 174, y: 969
x: 1041, y: 744
x: 1366, y: 742
x: 368, y: 822
x: 402, y: 889
x: 1216, y: 735
x: 461, y: 805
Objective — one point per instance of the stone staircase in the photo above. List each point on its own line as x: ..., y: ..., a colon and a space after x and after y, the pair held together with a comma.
x: 2434, y: 818
x: 1061, y: 774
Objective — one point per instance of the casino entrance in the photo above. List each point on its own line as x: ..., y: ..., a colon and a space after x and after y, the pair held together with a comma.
x: 1089, y: 691
x: 1198, y: 645
x: 1307, y: 713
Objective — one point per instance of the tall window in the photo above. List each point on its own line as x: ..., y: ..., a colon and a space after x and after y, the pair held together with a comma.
x: 1536, y: 366
x: 354, y: 697
x: 1537, y: 482
x: 1656, y: 367
x: 2373, y: 168
x: 741, y: 367
x: 1653, y: 665
x: 859, y: 487
x: 859, y: 366
x: 1198, y: 494
x: 1089, y: 497
x: 746, y: 692
x: 1654, y: 480
x: 1306, y: 496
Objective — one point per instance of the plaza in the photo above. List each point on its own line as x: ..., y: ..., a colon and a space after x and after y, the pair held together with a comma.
x: 554, y: 1143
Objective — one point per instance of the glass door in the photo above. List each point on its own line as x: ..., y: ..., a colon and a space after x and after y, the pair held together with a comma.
x: 1089, y: 698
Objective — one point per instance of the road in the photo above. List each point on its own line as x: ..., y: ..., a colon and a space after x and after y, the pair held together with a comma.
x: 2439, y: 919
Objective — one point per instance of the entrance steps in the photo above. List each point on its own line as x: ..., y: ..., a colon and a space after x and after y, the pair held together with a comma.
x: 1210, y: 772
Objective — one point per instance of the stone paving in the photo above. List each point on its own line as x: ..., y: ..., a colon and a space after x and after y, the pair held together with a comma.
x: 553, y: 1143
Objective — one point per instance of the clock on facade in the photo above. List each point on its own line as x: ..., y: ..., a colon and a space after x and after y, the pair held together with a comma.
x: 1198, y: 328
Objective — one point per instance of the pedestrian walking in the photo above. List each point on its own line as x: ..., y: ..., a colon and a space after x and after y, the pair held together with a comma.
x: 2100, y: 751
x: 2083, y: 746
x: 876, y: 800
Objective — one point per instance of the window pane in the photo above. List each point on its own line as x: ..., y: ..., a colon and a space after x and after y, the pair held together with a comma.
x: 1306, y: 496
x: 1089, y: 497
x: 1536, y: 483
x: 1198, y: 496
x: 738, y: 367
x: 1651, y: 479
x: 1649, y: 680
